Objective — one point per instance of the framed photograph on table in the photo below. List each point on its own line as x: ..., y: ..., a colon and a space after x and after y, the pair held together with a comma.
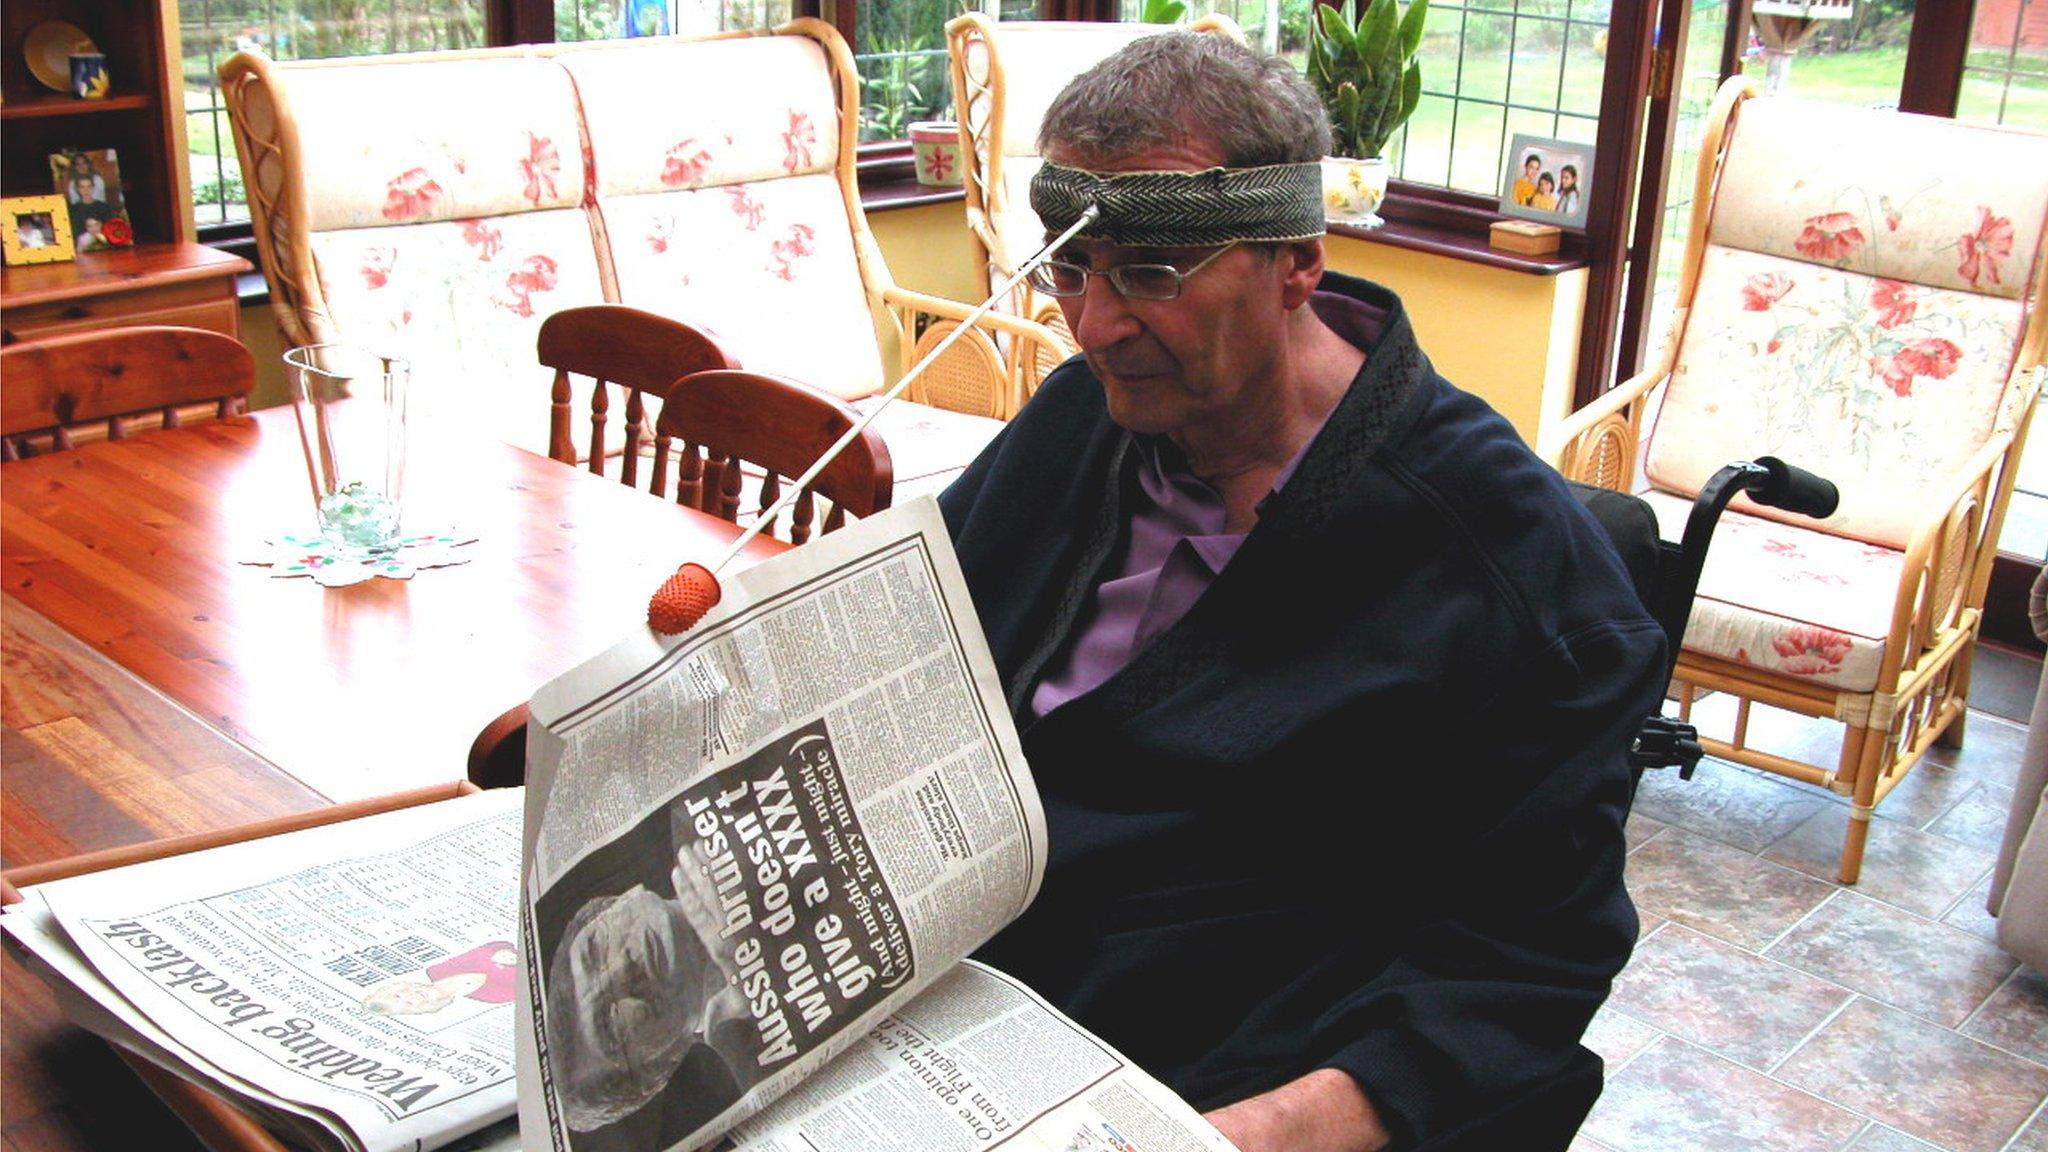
x: 90, y: 183
x: 38, y: 230
x: 1548, y: 180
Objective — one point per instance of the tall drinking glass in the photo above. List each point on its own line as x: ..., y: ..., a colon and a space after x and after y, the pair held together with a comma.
x: 351, y: 406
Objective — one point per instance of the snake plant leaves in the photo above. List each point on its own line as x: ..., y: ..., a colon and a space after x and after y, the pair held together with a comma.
x: 1363, y: 65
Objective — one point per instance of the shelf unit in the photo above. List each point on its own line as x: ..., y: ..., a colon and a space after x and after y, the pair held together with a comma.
x: 166, y: 277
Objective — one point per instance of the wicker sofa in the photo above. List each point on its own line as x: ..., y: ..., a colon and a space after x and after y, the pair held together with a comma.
x: 442, y: 205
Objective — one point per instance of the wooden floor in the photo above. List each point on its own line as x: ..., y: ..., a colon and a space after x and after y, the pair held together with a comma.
x: 95, y: 759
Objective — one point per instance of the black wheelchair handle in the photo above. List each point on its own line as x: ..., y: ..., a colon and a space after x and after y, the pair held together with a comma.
x: 1795, y: 489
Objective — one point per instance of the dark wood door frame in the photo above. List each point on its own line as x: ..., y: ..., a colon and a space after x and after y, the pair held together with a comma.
x: 1935, y: 55
x: 1631, y: 45
x: 1660, y: 127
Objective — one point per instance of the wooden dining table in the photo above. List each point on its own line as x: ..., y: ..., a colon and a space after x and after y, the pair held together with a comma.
x: 138, y: 548
x: 99, y: 765
x: 153, y: 685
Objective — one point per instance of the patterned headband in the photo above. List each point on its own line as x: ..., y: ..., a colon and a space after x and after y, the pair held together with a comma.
x: 1185, y: 209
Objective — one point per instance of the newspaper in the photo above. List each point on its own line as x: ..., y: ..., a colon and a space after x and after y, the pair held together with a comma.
x: 979, y: 1061
x: 754, y: 847
x: 363, y: 1001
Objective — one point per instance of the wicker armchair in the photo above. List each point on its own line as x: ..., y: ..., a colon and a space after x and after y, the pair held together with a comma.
x: 1860, y: 295
x: 443, y: 204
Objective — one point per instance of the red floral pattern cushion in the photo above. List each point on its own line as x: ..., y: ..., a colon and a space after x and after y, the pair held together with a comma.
x: 1884, y: 386
x: 1933, y: 202
x: 464, y: 301
x: 1799, y: 601
x: 393, y: 142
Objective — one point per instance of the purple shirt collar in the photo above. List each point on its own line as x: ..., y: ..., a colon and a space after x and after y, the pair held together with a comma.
x: 1174, y: 546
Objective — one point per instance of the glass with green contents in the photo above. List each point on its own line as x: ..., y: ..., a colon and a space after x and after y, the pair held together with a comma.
x: 351, y: 407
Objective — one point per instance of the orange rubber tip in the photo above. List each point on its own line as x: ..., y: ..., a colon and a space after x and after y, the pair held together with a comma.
x: 683, y: 599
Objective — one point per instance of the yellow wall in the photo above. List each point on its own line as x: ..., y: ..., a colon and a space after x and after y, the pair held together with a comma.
x: 928, y: 250
x: 1509, y: 337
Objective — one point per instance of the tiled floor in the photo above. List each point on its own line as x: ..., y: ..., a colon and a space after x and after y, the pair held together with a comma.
x: 1769, y: 1008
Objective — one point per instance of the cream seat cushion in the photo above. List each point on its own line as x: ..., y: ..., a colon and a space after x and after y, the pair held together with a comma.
x: 1802, y: 602
x: 732, y: 219
x: 444, y: 236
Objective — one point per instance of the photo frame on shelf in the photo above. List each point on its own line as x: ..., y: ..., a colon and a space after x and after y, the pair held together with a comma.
x: 1548, y: 180
x: 89, y: 180
x: 38, y: 230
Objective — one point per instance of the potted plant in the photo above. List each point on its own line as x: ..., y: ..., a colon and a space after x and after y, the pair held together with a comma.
x: 1370, y: 81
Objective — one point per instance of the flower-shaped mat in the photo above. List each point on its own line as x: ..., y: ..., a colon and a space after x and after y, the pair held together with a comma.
x: 338, y: 565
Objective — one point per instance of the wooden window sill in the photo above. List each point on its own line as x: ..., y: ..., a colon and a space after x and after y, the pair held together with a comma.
x: 1458, y: 232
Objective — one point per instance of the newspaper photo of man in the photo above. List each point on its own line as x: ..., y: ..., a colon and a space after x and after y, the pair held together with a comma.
x: 648, y: 1036
x: 720, y: 939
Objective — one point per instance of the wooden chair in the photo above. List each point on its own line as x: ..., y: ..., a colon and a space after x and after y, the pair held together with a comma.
x: 729, y: 419
x: 726, y: 421
x: 625, y: 350
x: 1005, y: 75
x: 1879, y: 324
x: 113, y: 379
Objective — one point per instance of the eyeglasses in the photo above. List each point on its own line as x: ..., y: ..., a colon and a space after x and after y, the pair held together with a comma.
x: 1132, y: 281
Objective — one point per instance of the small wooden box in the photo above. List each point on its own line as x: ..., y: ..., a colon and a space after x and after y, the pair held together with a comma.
x: 1525, y: 237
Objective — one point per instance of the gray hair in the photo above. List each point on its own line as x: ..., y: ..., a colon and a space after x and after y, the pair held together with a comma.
x: 1163, y: 90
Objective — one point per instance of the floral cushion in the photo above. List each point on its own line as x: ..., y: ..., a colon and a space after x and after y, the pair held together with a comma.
x: 727, y: 212
x: 675, y: 115
x: 1884, y: 387
x: 767, y: 268
x: 464, y: 301
x: 1017, y: 226
x: 1039, y: 58
x: 1919, y: 199
x: 1790, y: 599
x: 403, y: 142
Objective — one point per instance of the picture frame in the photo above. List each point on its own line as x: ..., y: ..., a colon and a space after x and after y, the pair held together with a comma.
x: 1548, y: 180
x: 89, y: 180
x: 647, y: 18
x: 38, y: 230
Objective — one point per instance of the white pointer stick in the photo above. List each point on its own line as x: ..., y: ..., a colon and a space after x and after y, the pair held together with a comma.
x: 684, y: 597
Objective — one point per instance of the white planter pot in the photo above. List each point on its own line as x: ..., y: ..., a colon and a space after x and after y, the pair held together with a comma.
x: 935, y: 145
x: 1353, y: 189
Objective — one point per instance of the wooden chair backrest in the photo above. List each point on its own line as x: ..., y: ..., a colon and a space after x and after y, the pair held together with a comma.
x: 113, y: 377
x: 619, y: 348
x: 729, y: 418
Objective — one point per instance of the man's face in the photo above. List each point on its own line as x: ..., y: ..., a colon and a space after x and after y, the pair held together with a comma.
x: 1186, y: 367
x: 636, y: 1008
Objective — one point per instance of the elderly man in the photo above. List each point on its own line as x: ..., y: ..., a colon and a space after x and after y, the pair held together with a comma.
x: 1326, y: 680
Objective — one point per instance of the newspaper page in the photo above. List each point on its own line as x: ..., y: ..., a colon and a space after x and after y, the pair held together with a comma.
x: 978, y: 1061
x: 749, y: 843
x: 361, y: 1001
